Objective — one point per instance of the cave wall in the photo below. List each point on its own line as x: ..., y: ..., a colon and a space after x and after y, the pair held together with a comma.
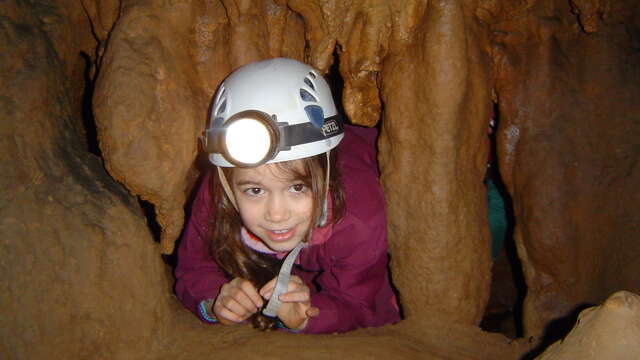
x: 82, y: 272
x: 77, y: 256
x: 433, y: 153
x: 567, y: 77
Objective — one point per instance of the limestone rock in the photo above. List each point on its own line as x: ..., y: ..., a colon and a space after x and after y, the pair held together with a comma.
x: 433, y: 153
x: 83, y: 278
x: 568, y: 152
x: 607, y: 332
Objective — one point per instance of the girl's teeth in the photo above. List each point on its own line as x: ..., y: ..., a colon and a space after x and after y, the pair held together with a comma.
x: 280, y: 231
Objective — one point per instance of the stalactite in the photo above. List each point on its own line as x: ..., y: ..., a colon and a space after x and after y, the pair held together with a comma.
x: 84, y: 278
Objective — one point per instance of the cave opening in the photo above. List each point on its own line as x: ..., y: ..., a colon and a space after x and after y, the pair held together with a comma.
x: 503, y: 313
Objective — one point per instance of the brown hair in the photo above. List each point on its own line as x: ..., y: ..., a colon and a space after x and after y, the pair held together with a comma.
x: 226, y: 246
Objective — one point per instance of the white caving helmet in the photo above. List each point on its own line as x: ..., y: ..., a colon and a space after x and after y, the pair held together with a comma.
x: 271, y: 111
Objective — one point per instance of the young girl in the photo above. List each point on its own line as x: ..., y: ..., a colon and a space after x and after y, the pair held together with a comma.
x: 280, y: 196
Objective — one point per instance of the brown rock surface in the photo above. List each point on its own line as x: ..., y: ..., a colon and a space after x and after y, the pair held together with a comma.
x: 82, y: 276
x: 607, y: 332
x: 142, y: 99
x: 435, y: 85
x: 79, y: 269
x: 569, y: 150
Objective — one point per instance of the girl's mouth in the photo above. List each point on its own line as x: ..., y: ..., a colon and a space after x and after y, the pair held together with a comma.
x: 280, y: 235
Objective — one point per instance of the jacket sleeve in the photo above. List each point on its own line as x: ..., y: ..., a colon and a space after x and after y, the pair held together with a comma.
x: 198, y: 277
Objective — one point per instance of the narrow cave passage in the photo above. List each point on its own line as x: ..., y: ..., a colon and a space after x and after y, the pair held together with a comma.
x: 503, y: 313
x: 90, y: 74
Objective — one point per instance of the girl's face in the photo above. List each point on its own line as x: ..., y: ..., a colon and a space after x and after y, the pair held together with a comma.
x: 273, y: 206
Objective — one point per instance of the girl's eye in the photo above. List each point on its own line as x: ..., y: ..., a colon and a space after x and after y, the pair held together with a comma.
x: 255, y: 191
x: 297, y: 188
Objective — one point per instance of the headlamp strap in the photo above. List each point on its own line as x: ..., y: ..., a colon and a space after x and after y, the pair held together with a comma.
x: 322, y: 221
x: 305, y: 133
x: 290, y: 135
x: 209, y: 139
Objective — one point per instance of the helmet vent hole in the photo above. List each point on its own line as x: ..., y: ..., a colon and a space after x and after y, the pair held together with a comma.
x: 306, y: 96
x: 312, y: 74
x: 222, y: 107
x: 221, y: 93
x: 309, y: 83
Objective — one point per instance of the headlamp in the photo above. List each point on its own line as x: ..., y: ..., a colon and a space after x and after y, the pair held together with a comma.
x: 251, y: 138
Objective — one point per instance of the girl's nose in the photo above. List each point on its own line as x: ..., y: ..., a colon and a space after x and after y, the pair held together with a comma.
x: 277, y: 209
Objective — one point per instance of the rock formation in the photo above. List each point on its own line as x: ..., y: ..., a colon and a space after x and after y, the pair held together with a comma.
x: 83, y: 276
x: 609, y: 331
x: 568, y: 145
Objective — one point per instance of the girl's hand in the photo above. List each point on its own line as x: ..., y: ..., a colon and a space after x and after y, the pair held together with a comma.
x: 238, y: 299
x: 296, y: 308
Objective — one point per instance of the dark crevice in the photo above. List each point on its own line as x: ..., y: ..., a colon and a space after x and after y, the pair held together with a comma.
x: 557, y: 330
x: 508, y: 288
x: 336, y: 83
x: 88, y: 120
x: 149, y: 211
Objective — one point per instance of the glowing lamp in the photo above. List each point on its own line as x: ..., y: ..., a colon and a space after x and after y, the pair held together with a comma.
x: 251, y: 138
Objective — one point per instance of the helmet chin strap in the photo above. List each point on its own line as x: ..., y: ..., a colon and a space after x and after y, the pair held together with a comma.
x: 227, y: 188
x: 322, y: 220
x: 282, y: 283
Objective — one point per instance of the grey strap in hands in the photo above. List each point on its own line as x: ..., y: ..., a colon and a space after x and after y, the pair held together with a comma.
x: 282, y: 283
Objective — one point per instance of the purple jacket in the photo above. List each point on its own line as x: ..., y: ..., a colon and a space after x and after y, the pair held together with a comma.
x: 349, y: 263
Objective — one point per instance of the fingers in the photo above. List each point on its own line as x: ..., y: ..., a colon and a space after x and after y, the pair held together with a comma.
x: 299, y: 295
x: 249, y: 291
x: 297, y: 291
x: 267, y: 289
x: 238, y: 299
x: 295, y: 285
x: 313, y: 312
x: 242, y: 302
x: 296, y: 309
x: 223, y: 311
x: 294, y: 279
